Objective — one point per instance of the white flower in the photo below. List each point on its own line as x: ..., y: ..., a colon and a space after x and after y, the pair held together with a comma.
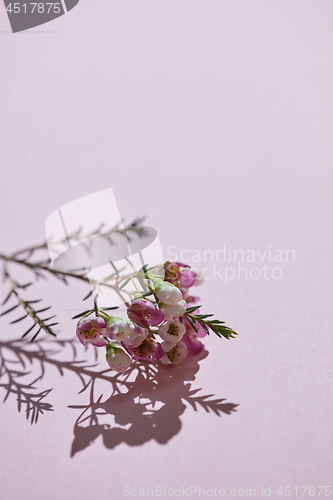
x: 168, y: 293
x: 136, y: 336
x: 117, y: 359
x: 172, y: 332
x: 172, y: 313
x: 117, y: 328
x: 174, y: 353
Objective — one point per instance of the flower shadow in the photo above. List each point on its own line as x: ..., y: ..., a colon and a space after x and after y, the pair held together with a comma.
x: 146, y: 402
x: 144, y: 407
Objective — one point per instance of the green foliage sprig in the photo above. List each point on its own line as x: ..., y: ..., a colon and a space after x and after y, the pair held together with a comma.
x: 41, y: 267
x: 217, y: 326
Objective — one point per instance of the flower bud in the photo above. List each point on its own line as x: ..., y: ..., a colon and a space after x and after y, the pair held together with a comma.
x: 144, y: 313
x: 172, y: 313
x: 168, y: 293
x: 92, y: 330
x: 117, y: 359
x: 117, y: 328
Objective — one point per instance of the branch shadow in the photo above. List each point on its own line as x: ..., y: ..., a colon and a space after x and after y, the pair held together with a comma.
x: 146, y: 402
x: 148, y: 409
x: 16, y: 364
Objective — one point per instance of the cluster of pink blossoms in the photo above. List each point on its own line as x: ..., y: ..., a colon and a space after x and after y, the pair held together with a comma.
x: 157, y: 329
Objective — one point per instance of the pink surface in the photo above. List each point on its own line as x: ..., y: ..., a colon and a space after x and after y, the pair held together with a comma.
x: 215, y: 120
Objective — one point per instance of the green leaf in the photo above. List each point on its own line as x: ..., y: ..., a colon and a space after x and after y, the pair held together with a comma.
x: 115, y: 269
x: 7, y: 298
x: 34, y: 337
x: 45, y: 309
x: 51, y: 317
x: 28, y: 331
x: 95, y: 305
x: 144, y: 268
x: 221, y: 330
x: 202, y: 316
x: 202, y: 323
x: 50, y: 332
x: 109, y: 308
x: 192, y: 322
x: 19, y: 319
x: 9, y: 310
x: 130, y: 263
x: 24, y: 286
x: 82, y: 314
x: 190, y: 310
x: 89, y: 295
x: 125, y: 283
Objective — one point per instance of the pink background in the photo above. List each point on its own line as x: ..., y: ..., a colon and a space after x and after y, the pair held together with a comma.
x: 214, y: 119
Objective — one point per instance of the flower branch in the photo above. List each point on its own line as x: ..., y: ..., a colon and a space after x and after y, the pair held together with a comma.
x: 42, y: 268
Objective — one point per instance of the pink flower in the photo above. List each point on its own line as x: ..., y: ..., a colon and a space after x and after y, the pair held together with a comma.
x: 191, y: 337
x: 144, y: 313
x: 193, y: 345
x: 92, y: 330
x: 187, y: 278
x: 149, y: 350
x: 180, y: 275
x: 173, y: 272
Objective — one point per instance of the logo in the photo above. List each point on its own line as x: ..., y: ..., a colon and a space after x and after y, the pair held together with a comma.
x: 87, y: 235
x: 24, y: 15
